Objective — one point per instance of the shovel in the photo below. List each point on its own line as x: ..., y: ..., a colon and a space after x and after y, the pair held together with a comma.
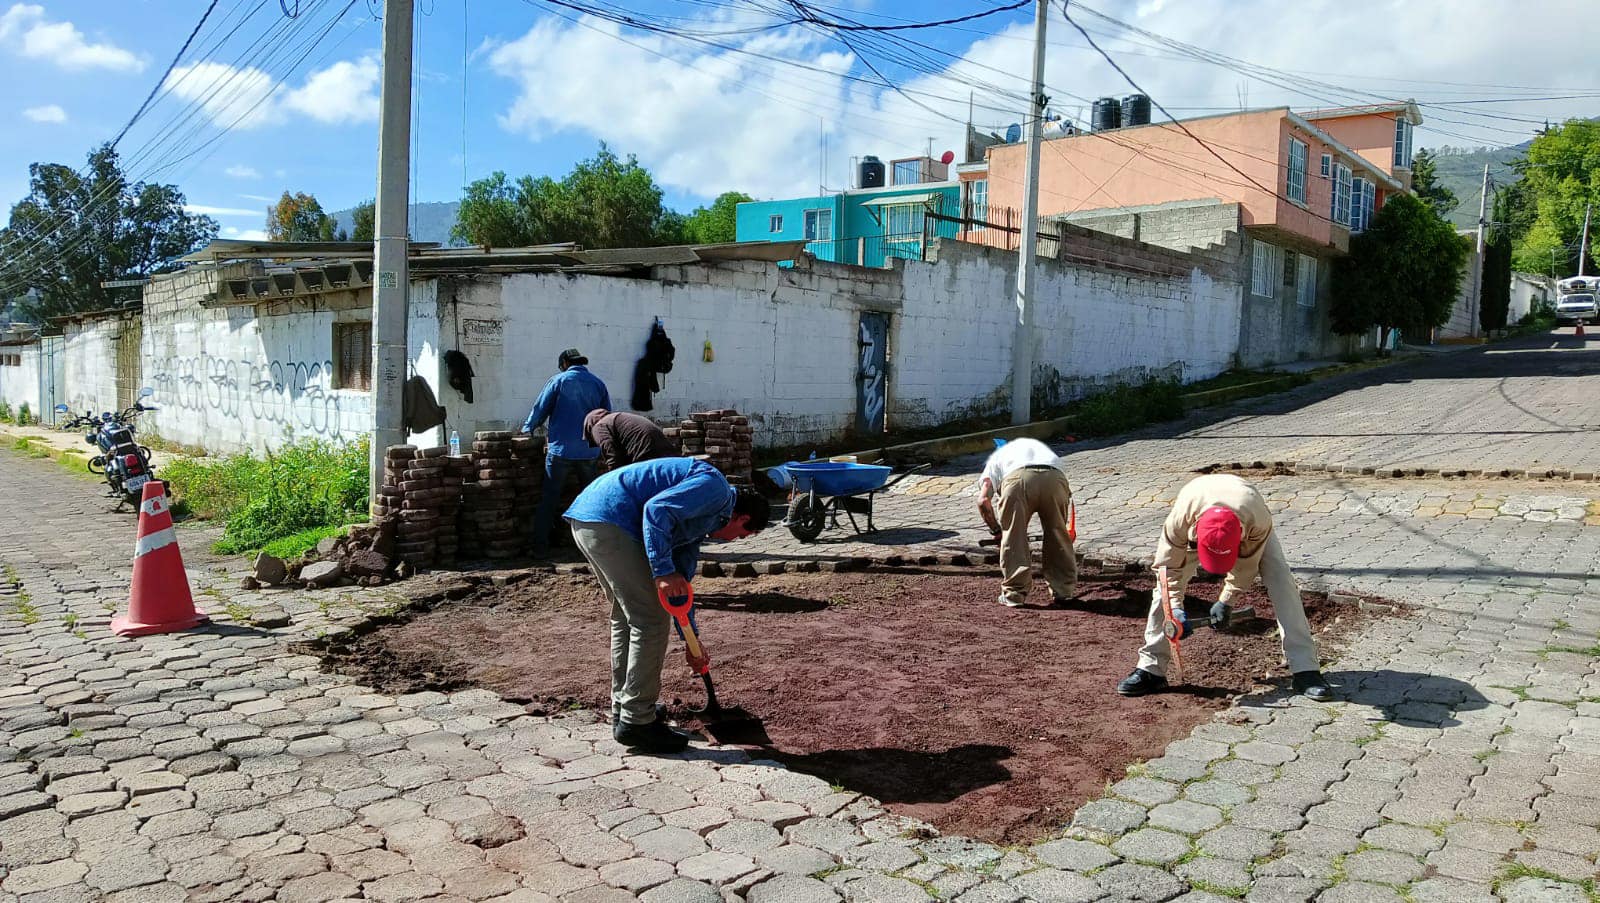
x: 728, y: 725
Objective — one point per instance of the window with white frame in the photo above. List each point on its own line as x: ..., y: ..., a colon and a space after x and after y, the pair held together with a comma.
x: 1327, y: 165
x: 1361, y: 197
x: 1340, y: 212
x: 1298, y: 156
x: 978, y: 203
x: 819, y: 225
x: 1264, y: 270
x: 1402, y: 143
x: 1306, y: 288
x: 903, y: 222
x: 908, y: 172
x: 775, y: 223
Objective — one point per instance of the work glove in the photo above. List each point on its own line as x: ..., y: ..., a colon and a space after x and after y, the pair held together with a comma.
x: 1180, y: 620
x: 1220, y: 615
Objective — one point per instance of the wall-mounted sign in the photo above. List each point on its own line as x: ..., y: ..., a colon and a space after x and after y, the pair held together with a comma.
x: 482, y: 332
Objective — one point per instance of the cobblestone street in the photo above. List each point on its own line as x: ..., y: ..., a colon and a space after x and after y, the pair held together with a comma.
x: 1461, y: 762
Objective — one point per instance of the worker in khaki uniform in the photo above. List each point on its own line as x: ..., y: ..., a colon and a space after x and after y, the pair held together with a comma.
x: 1027, y: 477
x: 1222, y: 523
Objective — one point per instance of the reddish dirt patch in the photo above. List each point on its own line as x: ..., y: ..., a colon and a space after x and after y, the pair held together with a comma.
x: 917, y: 688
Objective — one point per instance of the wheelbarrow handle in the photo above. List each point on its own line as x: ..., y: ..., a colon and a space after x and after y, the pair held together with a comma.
x: 898, y: 477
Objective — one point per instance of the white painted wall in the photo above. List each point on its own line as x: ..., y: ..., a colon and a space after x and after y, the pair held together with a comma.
x: 1526, y: 291
x: 90, y: 352
x: 240, y: 378
x: 19, y: 385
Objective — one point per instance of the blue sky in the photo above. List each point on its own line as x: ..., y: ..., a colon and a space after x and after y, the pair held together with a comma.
x: 263, y: 102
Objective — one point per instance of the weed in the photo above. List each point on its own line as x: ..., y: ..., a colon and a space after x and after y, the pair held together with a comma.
x: 284, y: 496
x: 1563, y: 625
x: 1221, y: 890
x: 24, y: 609
x: 1125, y: 408
x: 238, y: 613
x: 1516, y: 870
x: 24, y: 414
x: 76, y: 733
x: 70, y: 619
x: 6, y: 414
x: 298, y: 544
x: 1483, y: 755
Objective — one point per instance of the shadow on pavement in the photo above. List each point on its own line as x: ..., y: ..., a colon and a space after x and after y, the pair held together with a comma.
x: 904, y: 776
x: 1399, y: 697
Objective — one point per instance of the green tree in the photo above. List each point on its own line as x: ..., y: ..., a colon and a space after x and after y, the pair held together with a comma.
x: 717, y: 223
x: 363, y: 221
x: 299, y: 217
x: 604, y: 202
x: 1514, y: 211
x: 1562, y: 176
x: 1425, y: 182
x: 76, y: 230
x: 1402, y: 273
x: 1495, y: 289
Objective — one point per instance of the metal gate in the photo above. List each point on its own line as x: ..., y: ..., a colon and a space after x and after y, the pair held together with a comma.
x: 52, y: 377
x: 872, y: 372
x: 128, y: 370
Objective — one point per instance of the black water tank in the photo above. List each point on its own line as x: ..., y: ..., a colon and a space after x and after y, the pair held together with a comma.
x: 1106, y: 114
x: 1136, y: 110
x: 870, y: 173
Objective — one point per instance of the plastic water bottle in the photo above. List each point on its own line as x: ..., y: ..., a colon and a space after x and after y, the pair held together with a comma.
x: 455, y: 443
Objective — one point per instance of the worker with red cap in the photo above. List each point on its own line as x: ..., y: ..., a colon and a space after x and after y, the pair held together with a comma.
x: 1222, y: 524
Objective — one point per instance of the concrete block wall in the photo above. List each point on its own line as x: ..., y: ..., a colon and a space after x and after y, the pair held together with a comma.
x: 92, y: 348
x: 247, y: 377
x: 1179, y: 226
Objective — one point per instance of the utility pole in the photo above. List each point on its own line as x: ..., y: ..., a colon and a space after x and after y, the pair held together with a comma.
x: 1583, y: 245
x: 1022, y: 338
x: 391, y: 272
x: 1477, y: 261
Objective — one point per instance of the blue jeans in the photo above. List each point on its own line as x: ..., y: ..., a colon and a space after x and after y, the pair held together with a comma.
x: 555, y: 479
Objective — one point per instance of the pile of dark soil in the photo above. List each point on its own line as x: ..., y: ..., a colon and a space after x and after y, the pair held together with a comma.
x: 916, y: 687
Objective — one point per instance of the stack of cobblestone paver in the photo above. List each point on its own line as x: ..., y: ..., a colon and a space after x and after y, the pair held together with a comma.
x: 421, y: 490
x: 527, y: 466
x: 490, y: 501
x: 451, y: 477
x: 722, y: 437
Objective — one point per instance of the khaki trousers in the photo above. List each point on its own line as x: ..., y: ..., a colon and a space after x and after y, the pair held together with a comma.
x: 1025, y: 492
x: 1299, y: 650
x: 640, y: 627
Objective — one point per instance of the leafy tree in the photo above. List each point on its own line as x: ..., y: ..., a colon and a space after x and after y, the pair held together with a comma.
x: 1425, y: 182
x: 1402, y: 273
x: 76, y: 230
x: 364, y: 222
x: 1562, y: 176
x: 715, y: 224
x: 299, y: 217
x: 604, y: 202
x: 1495, y: 288
x: 1514, y: 211
x: 672, y: 229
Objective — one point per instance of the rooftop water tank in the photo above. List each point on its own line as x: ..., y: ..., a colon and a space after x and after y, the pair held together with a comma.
x: 870, y: 173
x: 1136, y: 110
x: 1106, y: 114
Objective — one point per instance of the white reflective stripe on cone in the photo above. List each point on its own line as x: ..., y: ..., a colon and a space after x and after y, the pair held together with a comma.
x: 153, y: 506
x: 157, y: 540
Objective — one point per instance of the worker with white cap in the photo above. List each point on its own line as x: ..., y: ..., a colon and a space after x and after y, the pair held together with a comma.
x: 1222, y: 523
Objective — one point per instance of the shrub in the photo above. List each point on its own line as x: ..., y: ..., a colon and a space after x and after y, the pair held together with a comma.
x: 24, y: 414
x: 303, y: 487
x: 1124, y: 408
x: 5, y: 413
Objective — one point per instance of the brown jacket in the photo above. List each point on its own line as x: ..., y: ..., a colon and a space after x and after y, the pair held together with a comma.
x: 625, y: 438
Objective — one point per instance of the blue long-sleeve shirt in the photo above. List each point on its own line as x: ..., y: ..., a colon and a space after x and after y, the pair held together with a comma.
x: 669, y: 504
x: 567, y: 398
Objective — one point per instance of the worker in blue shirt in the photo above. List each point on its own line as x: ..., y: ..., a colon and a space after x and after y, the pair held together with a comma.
x: 567, y: 398
x: 640, y: 527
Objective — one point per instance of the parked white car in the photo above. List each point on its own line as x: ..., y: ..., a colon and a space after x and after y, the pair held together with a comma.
x: 1575, y: 298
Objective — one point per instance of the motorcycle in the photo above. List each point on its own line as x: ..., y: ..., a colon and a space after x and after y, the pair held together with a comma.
x: 123, y: 463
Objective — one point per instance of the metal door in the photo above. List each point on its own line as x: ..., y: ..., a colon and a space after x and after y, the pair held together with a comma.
x: 872, y: 372
x: 52, y: 376
x: 127, y: 350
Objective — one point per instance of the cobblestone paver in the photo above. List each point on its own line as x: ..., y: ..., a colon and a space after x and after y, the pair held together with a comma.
x: 1458, y: 764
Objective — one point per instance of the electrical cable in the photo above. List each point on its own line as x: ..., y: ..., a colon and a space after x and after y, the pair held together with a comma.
x: 156, y: 88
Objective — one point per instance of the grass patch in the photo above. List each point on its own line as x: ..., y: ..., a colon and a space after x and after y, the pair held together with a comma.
x: 24, y: 609
x: 297, y: 544
x: 1518, y: 870
x: 1125, y: 408
x: 283, y: 496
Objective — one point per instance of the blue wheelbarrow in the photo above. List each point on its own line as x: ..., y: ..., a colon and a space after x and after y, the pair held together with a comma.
x: 819, y: 491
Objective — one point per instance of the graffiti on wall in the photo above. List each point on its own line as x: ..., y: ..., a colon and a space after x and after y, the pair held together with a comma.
x: 290, y: 394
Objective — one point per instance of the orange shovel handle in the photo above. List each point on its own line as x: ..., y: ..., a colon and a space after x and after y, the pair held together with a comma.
x: 681, y: 608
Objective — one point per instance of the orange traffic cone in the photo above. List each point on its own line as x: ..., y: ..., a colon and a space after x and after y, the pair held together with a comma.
x: 160, y: 601
x: 1579, y: 332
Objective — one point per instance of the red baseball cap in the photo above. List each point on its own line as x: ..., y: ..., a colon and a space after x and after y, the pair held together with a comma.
x: 1217, y: 536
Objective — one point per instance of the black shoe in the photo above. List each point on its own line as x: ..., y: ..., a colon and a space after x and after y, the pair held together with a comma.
x: 1311, y: 685
x: 1141, y: 683
x: 655, y: 737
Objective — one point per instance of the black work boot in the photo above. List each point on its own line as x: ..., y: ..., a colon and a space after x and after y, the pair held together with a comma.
x: 1141, y: 683
x: 655, y: 737
x: 1311, y: 685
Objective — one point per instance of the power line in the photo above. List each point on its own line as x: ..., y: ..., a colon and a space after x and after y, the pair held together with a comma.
x: 814, y: 19
x: 154, y: 89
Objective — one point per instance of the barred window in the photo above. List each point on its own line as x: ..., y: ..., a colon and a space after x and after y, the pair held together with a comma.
x: 352, y: 356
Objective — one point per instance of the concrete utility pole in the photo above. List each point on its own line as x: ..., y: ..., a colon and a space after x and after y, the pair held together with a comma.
x: 1477, y: 261
x: 391, y: 289
x: 1583, y: 244
x: 1022, y: 339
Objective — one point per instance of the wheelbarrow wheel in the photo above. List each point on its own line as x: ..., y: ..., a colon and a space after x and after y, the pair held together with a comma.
x: 807, y: 518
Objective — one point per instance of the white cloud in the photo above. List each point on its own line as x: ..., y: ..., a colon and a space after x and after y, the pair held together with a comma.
x: 47, y: 113
x: 264, y: 198
x: 248, y: 98
x: 61, y: 43
x: 708, y: 120
x: 240, y: 171
x: 244, y: 234
x: 208, y: 210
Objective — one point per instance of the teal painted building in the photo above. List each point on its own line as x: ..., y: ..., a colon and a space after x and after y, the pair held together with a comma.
x: 863, y: 226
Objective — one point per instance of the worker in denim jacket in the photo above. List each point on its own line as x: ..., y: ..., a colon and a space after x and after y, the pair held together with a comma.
x: 640, y: 527
x: 567, y: 398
